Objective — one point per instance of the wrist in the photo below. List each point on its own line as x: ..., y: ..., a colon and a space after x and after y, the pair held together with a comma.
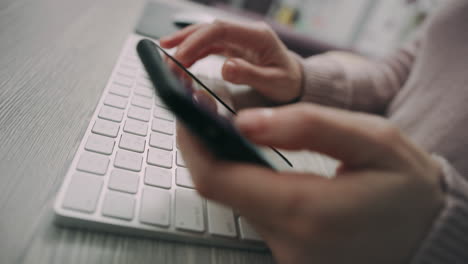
x: 325, y: 82
x: 298, y: 77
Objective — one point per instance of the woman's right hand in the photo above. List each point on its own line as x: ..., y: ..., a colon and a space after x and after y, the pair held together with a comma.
x: 256, y: 56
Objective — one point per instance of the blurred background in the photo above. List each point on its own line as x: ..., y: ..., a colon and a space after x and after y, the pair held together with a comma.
x: 373, y: 27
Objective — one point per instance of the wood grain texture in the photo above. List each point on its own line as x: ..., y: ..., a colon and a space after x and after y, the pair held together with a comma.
x: 56, y: 56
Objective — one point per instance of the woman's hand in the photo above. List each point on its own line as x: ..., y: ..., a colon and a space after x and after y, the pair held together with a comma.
x: 377, y: 209
x: 256, y: 56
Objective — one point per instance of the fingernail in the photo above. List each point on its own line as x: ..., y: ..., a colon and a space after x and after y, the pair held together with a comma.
x: 229, y: 69
x: 230, y: 64
x: 202, y: 98
x: 253, y: 121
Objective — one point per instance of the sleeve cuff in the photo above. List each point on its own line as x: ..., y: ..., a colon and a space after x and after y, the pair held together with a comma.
x: 447, y: 241
x: 324, y: 82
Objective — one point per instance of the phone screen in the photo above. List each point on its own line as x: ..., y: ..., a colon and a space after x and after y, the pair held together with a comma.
x: 192, y: 85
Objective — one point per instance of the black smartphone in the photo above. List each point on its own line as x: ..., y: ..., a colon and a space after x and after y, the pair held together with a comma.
x: 216, y: 131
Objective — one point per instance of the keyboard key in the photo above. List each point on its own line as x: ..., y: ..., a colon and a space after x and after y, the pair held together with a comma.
x: 118, y: 205
x: 144, y: 91
x: 100, y: 144
x: 163, y: 126
x: 189, y: 210
x: 220, y: 220
x: 124, y: 181
x: 93, y: 163
x: 136, y: 127
x: 163, y: 113
x: 180, y: 160
x: 128, y: 73
x: 132, y: 57
x: 115, y: 101
x: 183, y: 178
x: 159, y: 157
x: 128, y: 160
x: 130, y: 64
x: 158, y: 177
x: 144, y: 75
x: 159, y: 102
x: 106, y: 128
x: 83, y: 192
x: 132, y: 60
x: 111, y: 114
x: 139, y: 113
x: 161, y: 141
x: 142, y: 102
x: 124, y: 81
x: 127, y: 70
x: 145, y: 82
x: 155, y: 207
x: 119, y: 90
x: 247, y: 232
x: 132, y: 143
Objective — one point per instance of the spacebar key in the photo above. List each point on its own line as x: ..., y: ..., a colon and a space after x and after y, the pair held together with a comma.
x: 189, y: 211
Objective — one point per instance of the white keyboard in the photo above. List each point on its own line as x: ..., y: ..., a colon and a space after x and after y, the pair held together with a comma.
x: 128, y: 175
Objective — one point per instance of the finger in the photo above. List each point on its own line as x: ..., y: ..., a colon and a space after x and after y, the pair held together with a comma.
x: 215, y: 49
x: 239, y: 71
x: 206, y: 100
x: 222, y: 49
x: 175, y: 39
x: 178, y: 71
x: 254, y: 191
x: 219, y: 32
x: 356, y: 139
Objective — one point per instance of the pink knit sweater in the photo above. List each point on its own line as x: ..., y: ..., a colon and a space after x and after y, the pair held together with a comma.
x: 423, y: 89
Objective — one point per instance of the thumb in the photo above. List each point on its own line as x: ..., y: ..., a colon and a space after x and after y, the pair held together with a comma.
x: 240, y: 71
x: 356, y: 139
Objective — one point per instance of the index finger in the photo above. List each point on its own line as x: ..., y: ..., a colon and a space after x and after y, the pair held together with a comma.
x: 175, y: 39
x: 247, y: 36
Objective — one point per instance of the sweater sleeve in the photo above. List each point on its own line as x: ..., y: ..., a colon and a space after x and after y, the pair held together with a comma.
x: 447, y: 241
x: 354, y: 82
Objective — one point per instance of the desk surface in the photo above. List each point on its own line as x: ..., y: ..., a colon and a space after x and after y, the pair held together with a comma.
x: 56, y: 56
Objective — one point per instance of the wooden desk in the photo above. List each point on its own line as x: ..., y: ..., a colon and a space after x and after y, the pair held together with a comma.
x: 56, y: 56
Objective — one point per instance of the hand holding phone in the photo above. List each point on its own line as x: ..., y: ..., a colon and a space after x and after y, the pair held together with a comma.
x: 215, y: 131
